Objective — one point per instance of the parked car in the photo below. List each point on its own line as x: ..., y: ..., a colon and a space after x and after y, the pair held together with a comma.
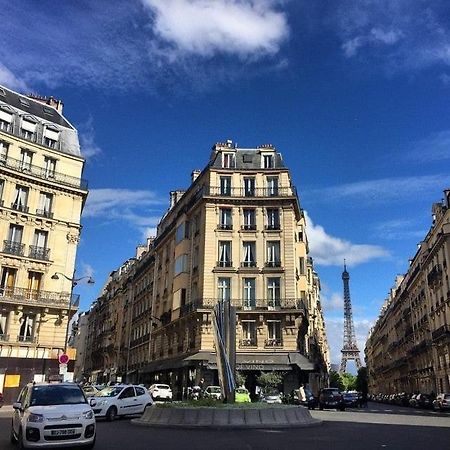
x: 213, y: 392
x: 90, y: 390
x: 310, y: 402
x: 160, y: 392
x: 331, y: 398
x: 121, y: 400
x: 242, y: 395
x: 351, y: 399
x: 272, y: 396
x: 51, y: 414
x: 442, y: 402
x: 412, y: 400
x: 424, y: 401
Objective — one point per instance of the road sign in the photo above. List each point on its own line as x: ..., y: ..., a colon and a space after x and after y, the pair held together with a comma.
x: 62, y: 369
x: 63, y: 359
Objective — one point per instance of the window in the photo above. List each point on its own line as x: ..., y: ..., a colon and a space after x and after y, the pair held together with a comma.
x: 225, y: 186
x: 195, y: 257
x: 225, y: 219
x: 51, y: 136
x: 224, y: 254
x: 249, y: 186
x: 268, y: 161
x: 273, y: 219
x: 182, y: 232
x: 39, y: 248
x: 3, y: 152
x: 248, y: 333
x: 26, y: 157
x: 249, y: 216
x: 28, y: 129
x: 272, y: 186
x: 228, y: 160
x: 224, y: 289
x: 181, y: 265
x: 5, y: 120
x: 249, y: 254
x: 249, y: 292
x: 45, y: 204
x: 34, y: 284
x: 50, y: 165
x: 2, y: 185
x: 273, y: 292
x: 301, y: 262
x: 273, y: 254
x: 2, y: 326
x: 26, y: 328
x: 273, y: 333
x: 20, y: 199
x: 8, y: 280
x: 24, y: 102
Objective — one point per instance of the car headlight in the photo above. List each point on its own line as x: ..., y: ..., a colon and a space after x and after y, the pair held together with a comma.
x: 88, y: 414
x: 35, y: 418
x: 102, y: 402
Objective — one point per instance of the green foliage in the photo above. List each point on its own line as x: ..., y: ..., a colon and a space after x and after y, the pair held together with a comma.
x: 336, y: 380
x: 269, y: 380
x: 344, y: 381
x: 361, y: 380
x: 240, y: 379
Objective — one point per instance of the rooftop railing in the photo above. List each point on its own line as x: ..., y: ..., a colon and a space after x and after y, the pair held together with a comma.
x: 243, y: 192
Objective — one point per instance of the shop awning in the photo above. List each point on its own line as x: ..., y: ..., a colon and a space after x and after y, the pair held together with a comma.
x: 255, y: 361
x: 301, y: 361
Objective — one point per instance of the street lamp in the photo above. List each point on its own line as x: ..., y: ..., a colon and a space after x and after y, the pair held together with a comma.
x: 73, y: 281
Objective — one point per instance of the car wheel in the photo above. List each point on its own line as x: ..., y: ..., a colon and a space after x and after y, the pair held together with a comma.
x: 111, y: 414
x: 148, y: 405
x: 91, y: 445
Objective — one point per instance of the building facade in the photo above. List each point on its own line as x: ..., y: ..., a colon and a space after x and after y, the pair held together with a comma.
x: 41, y: 199
x: 236, y: 234
x: 408, y: 349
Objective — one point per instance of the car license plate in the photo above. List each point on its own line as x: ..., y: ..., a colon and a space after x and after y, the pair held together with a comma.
x: 63, y: 432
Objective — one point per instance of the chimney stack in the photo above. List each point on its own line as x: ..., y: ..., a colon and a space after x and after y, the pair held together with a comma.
x: 195, y: 174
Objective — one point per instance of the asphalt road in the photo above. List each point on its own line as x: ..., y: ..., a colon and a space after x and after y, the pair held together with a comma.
x: 377, y: 427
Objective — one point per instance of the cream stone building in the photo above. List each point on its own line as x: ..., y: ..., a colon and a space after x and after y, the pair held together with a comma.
x: 408, y: 349
x: 237, y: 234
x: 41, y: 199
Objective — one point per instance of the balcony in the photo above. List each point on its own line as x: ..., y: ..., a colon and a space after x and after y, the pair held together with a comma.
x: 273, y: 227
x: 224, y: 264
x: 249, y: 342
x: 217, y: 191
x: 257, y: 304
x: 272, y: 264
x: 249, y: 227
x: 273, y: 342
x: 43, y: 173
x: 44, y: 213
x: 27, y: 339
x: 248, y: 264
x: 435, y: 276
x: 440, y: 333
x: 19, y: 296
x: 225, y: 226
x: 42, y: 253
x: 19, y: 207
x: 4, y: 337
x: 13, y: 248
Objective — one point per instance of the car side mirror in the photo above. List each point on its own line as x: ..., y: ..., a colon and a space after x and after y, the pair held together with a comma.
x: 17, y: 405
x: 93, y: 402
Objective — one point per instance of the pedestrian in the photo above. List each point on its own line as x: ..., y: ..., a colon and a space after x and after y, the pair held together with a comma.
x: 301, y: 394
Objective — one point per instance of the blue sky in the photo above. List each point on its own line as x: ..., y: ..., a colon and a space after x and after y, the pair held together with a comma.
x: 354, y: 94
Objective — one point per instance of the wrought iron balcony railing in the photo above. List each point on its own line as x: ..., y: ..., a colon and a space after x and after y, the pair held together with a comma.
x: 43, y: 173
x: 248, y: 264
x: 44, y: 213
x: 273, y: 264
x: 19, y: 296
x: 29, y: 339
x: 273, y: 342
x: 36, y: 252
x: 13, y: 248
x: 248, y: 342
x: 440, y: 332
x: 214, y: 191
x: 19, y: 207
x: 4, y: 337
x: 248, y: 227
x: 224, y: 264
x: 225, y: 226
x: 254, y: 304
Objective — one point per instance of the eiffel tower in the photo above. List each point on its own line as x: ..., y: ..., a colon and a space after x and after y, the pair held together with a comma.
x: 350, y: 349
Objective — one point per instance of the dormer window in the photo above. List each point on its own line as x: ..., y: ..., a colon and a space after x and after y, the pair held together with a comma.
x: 3, y: 152
x: 24, y: 102
x: 51, y: 137
x: 268, y: 161
x: 228, y: 160
x: 28, y: 128
x: 5, y: 120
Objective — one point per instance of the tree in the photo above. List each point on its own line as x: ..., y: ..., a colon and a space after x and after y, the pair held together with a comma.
x: 269, y: 380
x: 336, y: 380
x: 240, y: 379
x: 361, y: 380
x: 349, y: 381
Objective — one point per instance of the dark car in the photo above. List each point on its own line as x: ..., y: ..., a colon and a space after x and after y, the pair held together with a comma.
x: 351, y: 399
x: 442, y: 402
x: 310, y: 402
x: 424, y: 401
x: 331, y: 398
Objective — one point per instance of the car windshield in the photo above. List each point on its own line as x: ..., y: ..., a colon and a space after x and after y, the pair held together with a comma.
x: 214, y: 389
x: 162, y: 386
x: 273, y: 392
x: 241, y: 391
x: 112, y: 391
x: 56, y: 395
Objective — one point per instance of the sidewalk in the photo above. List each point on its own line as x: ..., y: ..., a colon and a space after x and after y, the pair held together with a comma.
x: 6, y: 410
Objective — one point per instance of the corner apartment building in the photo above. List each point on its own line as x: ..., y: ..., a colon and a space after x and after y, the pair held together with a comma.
x: 236, y: 234
x: 408, y: 349
x: 41, y: 199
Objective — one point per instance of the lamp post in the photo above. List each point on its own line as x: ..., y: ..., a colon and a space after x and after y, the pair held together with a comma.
x: 73, y: 282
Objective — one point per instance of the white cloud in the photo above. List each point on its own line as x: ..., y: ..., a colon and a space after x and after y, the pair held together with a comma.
x: 329, y: 250
x: 246, y: 28
x: 435, y: 147
x: 399, y: 229
x: 8, y: 79
x: 87, y: 140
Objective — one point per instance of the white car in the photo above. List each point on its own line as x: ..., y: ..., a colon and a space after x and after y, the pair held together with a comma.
x: 121, y: 400
x: 160, y: 392
x: 53, y: 415
x: 213, y: 392
x: 272, y: 396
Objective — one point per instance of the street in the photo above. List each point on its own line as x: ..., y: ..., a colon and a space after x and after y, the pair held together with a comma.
x: 377, y: 427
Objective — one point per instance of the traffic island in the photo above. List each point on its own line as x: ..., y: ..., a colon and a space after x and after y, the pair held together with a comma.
x: 227, y: 416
